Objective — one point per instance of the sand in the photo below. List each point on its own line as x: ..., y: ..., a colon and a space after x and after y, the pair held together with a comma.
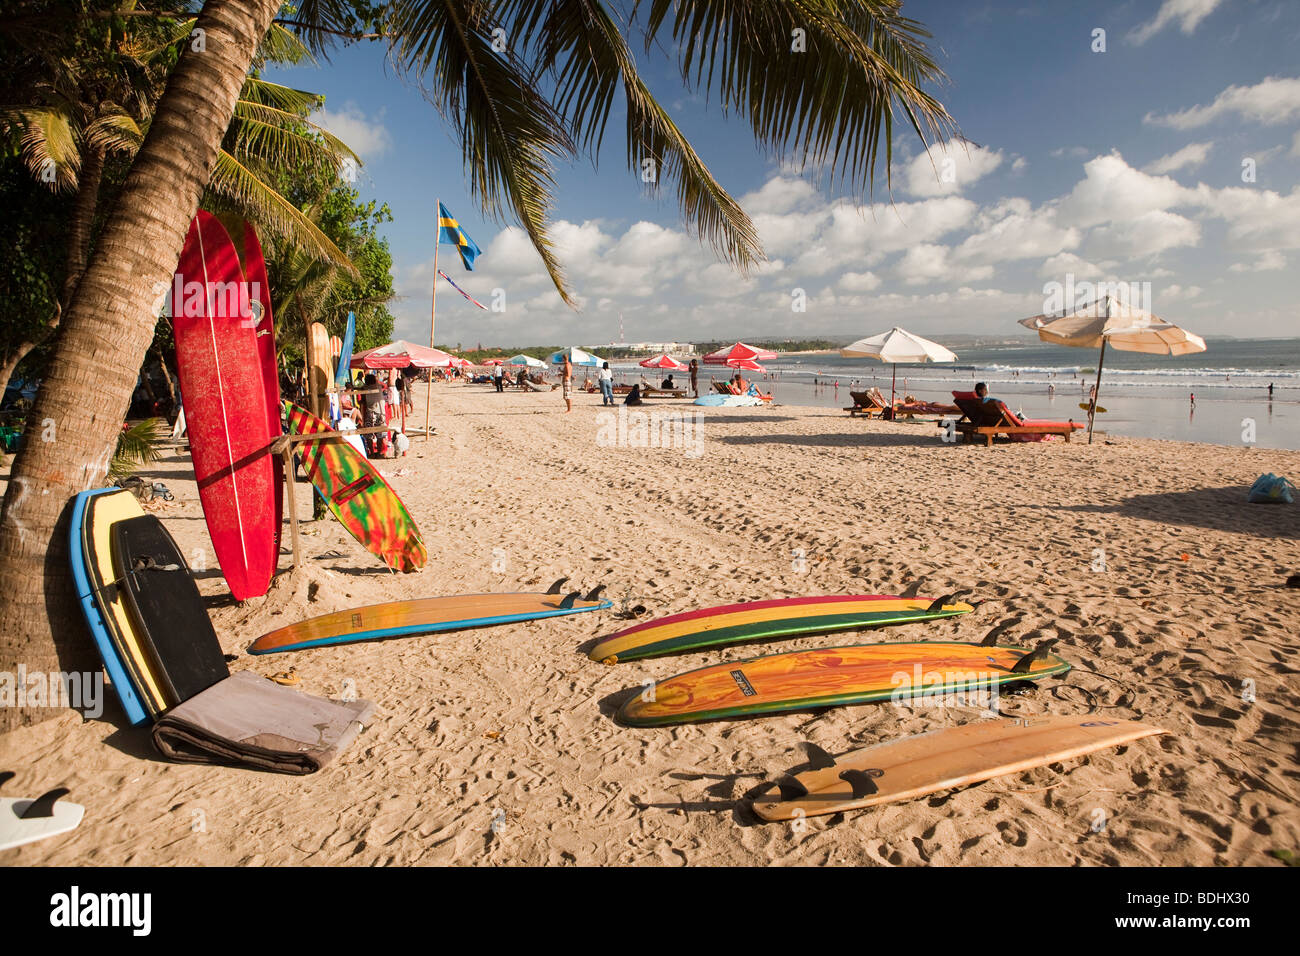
x: 497, y: 746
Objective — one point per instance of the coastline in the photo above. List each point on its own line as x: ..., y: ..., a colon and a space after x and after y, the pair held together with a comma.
x: 514, y: 724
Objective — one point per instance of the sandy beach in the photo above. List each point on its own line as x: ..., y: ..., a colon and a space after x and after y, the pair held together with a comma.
x: 497, y: 746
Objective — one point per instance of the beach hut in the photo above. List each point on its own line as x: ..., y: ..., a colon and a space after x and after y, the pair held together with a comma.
x: 1110, y: 321
x: 898, y: 345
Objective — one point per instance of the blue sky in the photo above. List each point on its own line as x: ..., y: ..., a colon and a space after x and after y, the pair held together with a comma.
x: 1122, y: 165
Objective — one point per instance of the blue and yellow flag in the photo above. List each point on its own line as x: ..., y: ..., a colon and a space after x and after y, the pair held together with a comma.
x: 449, y: 231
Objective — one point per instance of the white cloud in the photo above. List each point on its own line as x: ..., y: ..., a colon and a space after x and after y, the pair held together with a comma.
x: 927, y: 262
x: 1113, y: 190
x: 1148, y: 234
x: 1188, y: 14
x: 1264, y: 262
x: 1014, y: 230
x: 366, y: 136
x: 859, y: 281
x: 1190, y: 156
x: 1067, y: 262
x: 949, y: 168
x: 1274, y: 100
x: 780, y: 194
x: 1020, y: 165
x: 1295, y: 146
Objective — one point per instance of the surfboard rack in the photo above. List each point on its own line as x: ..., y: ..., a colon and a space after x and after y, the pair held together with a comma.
x: 555, y: 588
x: 1026, y: 663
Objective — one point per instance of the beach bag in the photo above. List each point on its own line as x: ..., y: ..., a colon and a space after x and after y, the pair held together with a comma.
x: 1271, y: 489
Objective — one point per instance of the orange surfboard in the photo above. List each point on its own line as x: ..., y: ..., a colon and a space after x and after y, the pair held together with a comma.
x: 912, y: 767
x: 833, y: 676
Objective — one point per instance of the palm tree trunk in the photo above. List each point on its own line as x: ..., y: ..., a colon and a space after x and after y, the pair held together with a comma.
x: 82, y: 222
x: 106, y: 332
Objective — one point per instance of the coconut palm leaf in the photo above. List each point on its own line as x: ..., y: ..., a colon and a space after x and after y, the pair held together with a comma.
x: 301, y: 102
x: 114, y: 132
x: 239, y: 185
x: 137, y: 446
x: 278, y: 136
x: 49, y: 140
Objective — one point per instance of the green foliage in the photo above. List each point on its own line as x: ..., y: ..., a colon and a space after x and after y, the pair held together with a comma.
x: 31, y: 257
x: 137, y: 446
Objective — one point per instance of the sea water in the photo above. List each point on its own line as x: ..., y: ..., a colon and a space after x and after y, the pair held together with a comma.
x: 1147, y: 396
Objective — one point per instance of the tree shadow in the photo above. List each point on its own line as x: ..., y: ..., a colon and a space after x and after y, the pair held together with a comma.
x: 839, y: 440
x: 1217, y: 509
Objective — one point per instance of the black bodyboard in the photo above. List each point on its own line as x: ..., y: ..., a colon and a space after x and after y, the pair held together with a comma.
x: 166, y: 606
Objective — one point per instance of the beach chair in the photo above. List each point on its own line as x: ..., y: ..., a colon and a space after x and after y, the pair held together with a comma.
x: 870, y: 403
x: 987, y: 419
x: 649, y: 391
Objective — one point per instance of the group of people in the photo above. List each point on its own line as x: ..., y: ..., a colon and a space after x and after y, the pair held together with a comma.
x: 370, y: 404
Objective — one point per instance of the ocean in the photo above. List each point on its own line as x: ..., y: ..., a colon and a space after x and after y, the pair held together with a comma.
x: 1144, y: 396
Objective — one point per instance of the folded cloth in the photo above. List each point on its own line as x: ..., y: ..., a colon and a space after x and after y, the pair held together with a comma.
x: 246, y: 720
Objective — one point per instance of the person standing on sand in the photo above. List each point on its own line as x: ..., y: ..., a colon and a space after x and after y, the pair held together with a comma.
x: 1270, y: 391
x: 695, y: 380
x: 497, y: 378
x: 606, y: 385
x: 567, y: 382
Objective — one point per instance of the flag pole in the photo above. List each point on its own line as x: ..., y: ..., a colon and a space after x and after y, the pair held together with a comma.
x: 433, y: 309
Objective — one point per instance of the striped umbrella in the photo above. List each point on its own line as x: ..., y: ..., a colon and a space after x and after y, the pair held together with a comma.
x: 664, y: 361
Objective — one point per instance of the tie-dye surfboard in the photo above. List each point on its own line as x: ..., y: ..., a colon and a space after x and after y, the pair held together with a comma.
x: 358, y: 495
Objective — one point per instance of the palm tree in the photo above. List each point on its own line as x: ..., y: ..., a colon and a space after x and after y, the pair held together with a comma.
x: 819, y: 81
x: 97, y: 106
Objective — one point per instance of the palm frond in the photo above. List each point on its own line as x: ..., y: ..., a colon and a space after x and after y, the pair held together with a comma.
x: 50, y: 141
x: 137, y: 446
x: 301, y: 102
x: 281, y: 138
x: 256, y: 200
x: 510, y: 134
x: 282, y: 46
x: 114, y: 132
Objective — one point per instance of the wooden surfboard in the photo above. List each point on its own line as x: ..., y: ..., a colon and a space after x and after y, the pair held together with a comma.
x: 119, y: 642
x: 100, y: 605
x: 320, y: 373
x: 757, y: 620
x: 220, y: 369
x: 358, y: 495
x: 912, y: 767
x: 831, y: 677
x: 1097, y: 411
x: 424, y: 616
x: 166, y: 608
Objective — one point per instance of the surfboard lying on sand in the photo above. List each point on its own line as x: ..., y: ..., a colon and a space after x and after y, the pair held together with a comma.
x: 833, y: 676
x: 358, y: 495
x: 424, y: 616
x: 24, y: 820
x: 728, y: 401
x: 756, y: 620
x: 940, y: 760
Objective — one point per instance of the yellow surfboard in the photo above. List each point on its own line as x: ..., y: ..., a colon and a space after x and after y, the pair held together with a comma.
x: 912, y: 767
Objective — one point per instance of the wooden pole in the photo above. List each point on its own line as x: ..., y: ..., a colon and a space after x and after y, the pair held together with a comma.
x: 1096, y: 390
x: 433, y: 311
x: 289, y: 481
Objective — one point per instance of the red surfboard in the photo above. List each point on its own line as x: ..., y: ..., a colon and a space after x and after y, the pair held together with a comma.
x: 220, y: 368
x: 259, y: 289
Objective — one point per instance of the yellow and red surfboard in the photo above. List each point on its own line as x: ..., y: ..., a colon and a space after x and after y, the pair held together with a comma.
x: 758, y: 620
x: 914, y: 766
x: 833, y: 676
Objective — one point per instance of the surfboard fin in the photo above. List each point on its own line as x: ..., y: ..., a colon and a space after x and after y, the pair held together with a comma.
x: 1026, y: 663
x: 818, y: 759
x: 790, y: 787
x: 862, y: 781
x: 594, y: 593
x: 6, y: 776
x: 43, y: 806
x: 570, y: 598
x: 938, y: 603
x: 991, y: 638
x: 555, y: 588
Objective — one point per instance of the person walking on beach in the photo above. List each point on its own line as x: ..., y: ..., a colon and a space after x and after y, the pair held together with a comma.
x: 606, y: 385
x: 695, y: 379
x: 567, y: 384
x: 1270, y: 391
x: 498, y: 378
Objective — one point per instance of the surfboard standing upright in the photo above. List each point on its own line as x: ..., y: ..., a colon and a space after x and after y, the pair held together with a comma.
x: 221, y: 373
x: 358, y: 495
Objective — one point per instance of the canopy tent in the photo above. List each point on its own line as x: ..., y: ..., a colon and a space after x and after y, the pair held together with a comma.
x: 1110, y: 321
x: 402, y: 354
x: 898, y: 345
x: 527, y: 360
x: 664, y: 361
x: 735, y: 355
x: 577, y: 357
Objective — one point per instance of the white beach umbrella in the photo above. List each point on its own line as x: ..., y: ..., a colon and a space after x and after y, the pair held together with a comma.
x: 898, y: 345
x: 527, y: 360
x: 576, y: 357
x: 1110, y: 321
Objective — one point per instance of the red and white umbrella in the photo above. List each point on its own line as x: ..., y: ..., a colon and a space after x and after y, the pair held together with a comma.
x: 402, y: 355
x: 336, y: 345
x: 736, y: 355
x: 495, y: 362
x: 664, y: 361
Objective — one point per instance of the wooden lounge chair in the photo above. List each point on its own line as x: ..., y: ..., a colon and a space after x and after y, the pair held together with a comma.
x: 870, y: 403
x: 649, y: 391
x: 987, y: 419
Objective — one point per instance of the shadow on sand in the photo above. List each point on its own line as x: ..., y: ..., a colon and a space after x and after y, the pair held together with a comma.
x: 1219, y: 509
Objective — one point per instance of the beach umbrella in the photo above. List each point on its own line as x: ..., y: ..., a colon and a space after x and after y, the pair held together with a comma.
x: 401, y: 354
x: 527, y: 360
x: 733, y: 355
x: 576, y: 357
x: 1110, y: 321
x: 664, y: 361
x: 898, y: 345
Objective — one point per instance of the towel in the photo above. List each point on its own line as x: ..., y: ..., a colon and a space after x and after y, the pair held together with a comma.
x: 246, y: 720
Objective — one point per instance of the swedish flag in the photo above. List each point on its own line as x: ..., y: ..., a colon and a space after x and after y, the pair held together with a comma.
x: 449, y: 231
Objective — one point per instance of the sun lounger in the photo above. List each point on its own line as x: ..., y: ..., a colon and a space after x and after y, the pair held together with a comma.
x: 649, y: 391
x: 865, y: 403
x: 987, y: 419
